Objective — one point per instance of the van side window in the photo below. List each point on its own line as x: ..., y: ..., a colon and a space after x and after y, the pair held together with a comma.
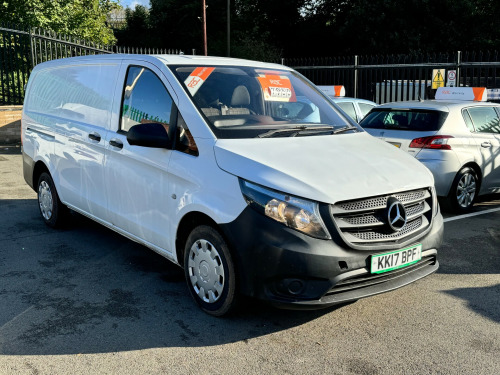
x: 185, y: 141
x: 145, y: 99
x: 485, y: 119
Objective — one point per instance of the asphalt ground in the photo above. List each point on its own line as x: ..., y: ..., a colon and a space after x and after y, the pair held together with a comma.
x: 85, y: 300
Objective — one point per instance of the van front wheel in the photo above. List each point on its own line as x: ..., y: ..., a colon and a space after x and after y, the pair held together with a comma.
x: 209, y: 271
x: 52, y: 210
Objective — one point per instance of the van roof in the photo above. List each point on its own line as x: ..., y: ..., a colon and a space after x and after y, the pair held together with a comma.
x: 169, y: 60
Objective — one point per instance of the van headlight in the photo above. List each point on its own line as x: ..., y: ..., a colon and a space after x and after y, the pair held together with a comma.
x: 297, y: 213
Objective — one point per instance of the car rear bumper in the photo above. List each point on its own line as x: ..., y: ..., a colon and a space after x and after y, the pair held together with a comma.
x: 443, y: 170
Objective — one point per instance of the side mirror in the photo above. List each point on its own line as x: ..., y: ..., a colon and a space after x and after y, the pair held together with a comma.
x: 149, y: 135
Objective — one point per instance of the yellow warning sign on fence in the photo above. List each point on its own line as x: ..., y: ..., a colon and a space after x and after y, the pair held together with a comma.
x: 438, y: 78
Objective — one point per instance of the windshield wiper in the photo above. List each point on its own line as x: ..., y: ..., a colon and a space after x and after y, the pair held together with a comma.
x: 345, y: 129
x: 296, y: 130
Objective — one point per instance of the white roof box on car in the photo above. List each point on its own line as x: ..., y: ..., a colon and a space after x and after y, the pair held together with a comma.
x: 333, y: 90
x: 477, y: 94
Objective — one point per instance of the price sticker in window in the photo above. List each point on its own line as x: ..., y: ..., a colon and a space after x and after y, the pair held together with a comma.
x: 197, y: 78
x: 277, y: 88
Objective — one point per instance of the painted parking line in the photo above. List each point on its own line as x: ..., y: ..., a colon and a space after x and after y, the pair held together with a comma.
x: 470, y: 215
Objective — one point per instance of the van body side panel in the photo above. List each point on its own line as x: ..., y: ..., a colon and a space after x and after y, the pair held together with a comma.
x: 37, y: 129
x: 80, y: 133
x: 200, y: 185
x: 69, y: 105
x: 136, y: 178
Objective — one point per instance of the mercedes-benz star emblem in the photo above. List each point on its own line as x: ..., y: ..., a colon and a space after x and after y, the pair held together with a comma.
x: 396, y: 214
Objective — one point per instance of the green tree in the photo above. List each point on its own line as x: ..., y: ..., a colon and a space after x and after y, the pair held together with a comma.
x: 392, y: 26
x: 84, y: 19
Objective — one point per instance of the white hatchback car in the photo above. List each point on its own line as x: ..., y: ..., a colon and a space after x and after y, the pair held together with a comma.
x: 355, y: 108
x: 458, y: 140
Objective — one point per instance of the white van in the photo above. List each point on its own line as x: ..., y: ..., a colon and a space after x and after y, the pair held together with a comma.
x: 241, y: 172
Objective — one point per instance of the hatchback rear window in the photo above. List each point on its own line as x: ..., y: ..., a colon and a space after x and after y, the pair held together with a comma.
x: 397, y: 119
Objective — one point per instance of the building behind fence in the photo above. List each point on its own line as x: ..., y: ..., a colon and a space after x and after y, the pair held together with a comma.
x: 23, y: 48
x: 378, y: 78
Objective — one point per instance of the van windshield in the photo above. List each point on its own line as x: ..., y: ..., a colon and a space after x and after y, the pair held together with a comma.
x: 404, y: 119
x: 247, y: 102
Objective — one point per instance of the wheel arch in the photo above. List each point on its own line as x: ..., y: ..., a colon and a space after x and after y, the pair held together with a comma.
x: 190, y: 221
x: 39, y: 168
x: 476, y: 168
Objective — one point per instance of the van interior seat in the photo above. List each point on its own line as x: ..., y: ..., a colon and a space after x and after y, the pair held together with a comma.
x: 240, y: 101
x: 210, y: 111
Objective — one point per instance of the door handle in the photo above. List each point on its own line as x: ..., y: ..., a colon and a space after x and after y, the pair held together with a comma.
x: 116, y: 143
x: 95, y: 137
x: 486, y: 144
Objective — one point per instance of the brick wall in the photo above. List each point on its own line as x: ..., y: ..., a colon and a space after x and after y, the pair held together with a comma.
x: 10, y: 124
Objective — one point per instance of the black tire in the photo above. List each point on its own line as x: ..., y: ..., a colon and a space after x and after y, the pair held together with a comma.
x: 464, y: 190
x: 53, y: 212
x: 209, y: 271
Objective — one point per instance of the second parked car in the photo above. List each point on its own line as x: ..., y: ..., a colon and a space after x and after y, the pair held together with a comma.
x: 458, y: 140
x: 355, y: 108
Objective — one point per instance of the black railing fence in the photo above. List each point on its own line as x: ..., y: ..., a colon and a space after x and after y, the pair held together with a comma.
x: 378, y: 78
x: 23, y: 48
x: 399, y: 77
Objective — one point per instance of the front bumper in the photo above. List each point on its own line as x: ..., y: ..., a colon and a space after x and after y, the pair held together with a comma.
x: 293, y: 270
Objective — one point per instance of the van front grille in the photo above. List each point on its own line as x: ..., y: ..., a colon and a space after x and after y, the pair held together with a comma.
x: 364, y: 222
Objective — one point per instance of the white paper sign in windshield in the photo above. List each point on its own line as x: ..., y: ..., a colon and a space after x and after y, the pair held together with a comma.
x: 277, y: 88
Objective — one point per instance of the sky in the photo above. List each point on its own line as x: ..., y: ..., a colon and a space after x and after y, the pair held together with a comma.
x: 133, y: 3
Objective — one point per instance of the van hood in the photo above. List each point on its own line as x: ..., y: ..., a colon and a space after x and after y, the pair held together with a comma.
x: 326, y: 169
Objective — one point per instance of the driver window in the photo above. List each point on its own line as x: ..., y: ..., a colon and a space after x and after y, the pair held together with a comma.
x: 145, y: 99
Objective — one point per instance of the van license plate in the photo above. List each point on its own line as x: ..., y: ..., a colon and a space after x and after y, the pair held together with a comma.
x: 396, y: 259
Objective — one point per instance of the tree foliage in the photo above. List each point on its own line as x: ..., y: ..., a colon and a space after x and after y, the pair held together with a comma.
x: 267, y: 30
x: 84, y: 19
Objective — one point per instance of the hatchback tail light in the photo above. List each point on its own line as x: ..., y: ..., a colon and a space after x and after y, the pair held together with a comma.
x: 437, y: 142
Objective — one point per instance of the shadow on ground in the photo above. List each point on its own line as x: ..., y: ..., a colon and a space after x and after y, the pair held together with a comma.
x: 86, y: 289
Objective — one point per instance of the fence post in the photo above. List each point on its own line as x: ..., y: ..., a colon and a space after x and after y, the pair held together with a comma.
x: 356, y: 61
x: 31, y: 48
x: 459, y: 61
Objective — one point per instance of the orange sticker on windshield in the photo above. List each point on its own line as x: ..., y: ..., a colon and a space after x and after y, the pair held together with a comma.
x: 197, y: 78
x: 277, y: 88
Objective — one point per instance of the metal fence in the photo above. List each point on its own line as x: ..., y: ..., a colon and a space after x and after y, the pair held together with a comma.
x: 378, y: 78
x: 399, y: 77
x: 23, y: 48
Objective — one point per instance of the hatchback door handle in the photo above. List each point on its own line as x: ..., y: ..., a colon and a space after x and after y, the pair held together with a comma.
x: 116, y: 143
x: 95, y: 137
x: 486, y: 144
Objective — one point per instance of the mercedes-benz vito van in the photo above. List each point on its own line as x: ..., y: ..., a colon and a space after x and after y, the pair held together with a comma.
x: 241, y: 172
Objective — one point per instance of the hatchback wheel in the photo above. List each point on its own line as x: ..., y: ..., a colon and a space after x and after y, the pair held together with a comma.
x: 209, y: 271
x: 464, y: 190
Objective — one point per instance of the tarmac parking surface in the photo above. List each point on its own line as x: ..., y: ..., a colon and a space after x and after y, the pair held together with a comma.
x: 85, y: 300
